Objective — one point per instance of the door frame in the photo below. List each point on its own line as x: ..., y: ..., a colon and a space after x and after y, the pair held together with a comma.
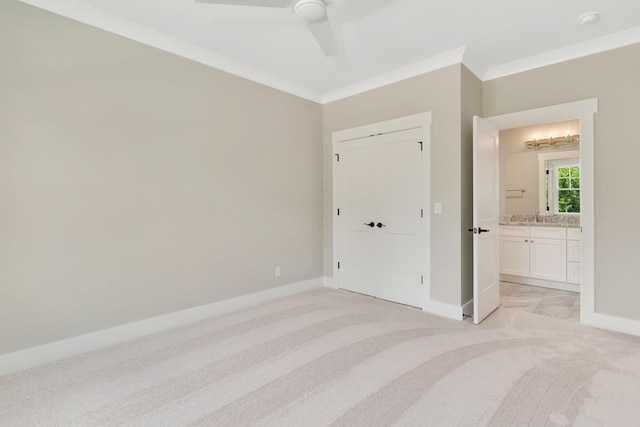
x: 584, y: 111
x: 421, y: 120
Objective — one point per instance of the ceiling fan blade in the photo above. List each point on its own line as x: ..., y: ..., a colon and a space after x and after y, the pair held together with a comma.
x: 262, y: 3
x: 323, y: 33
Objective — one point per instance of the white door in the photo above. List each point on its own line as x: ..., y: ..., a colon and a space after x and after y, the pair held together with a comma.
x: 398, y: 216
x: 486, y: 266
x: 380, y: 216
x: 357, y: 209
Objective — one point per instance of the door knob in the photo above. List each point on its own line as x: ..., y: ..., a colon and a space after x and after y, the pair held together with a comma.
x: 380, y: 225
x: 371, y: 224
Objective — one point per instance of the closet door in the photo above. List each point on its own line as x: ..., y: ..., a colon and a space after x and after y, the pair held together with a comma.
x: 380, y: 212
x: 357, y: 209
x: 398, y: 197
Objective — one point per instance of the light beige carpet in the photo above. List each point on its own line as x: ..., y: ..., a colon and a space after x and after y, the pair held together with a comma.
x: 329, y: 357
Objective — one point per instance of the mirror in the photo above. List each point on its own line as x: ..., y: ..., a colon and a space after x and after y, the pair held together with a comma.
x: 523, y: 180
x: 521, y: 184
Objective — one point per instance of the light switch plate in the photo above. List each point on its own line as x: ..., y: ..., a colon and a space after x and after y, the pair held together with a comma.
x: 437, y: 208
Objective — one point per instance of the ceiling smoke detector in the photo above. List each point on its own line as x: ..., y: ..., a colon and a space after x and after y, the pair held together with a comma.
x: 588, y: 18
x: 310, y: 10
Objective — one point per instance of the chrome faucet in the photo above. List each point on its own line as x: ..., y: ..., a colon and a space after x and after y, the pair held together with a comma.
x: 536, y: 213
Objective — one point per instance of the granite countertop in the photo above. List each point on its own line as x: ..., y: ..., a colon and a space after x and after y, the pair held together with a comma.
x: 539, y: 224
x: 542, y: 221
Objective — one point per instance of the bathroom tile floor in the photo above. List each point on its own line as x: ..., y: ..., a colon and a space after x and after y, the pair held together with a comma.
x: 544, y: 301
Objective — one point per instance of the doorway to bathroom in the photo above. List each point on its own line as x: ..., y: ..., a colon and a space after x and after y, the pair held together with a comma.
x: 583, y: 111
x: 539, y: 196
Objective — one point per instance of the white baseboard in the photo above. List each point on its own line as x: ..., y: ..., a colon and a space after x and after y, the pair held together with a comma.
x: 563, y: 286
x: 443, y: 309
x: 612, y: 323
x: 467, y: 309
x: 30, y: 357
x: 330, y: 282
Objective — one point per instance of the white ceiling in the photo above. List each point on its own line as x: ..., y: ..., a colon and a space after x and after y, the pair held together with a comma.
x: 381, y: 40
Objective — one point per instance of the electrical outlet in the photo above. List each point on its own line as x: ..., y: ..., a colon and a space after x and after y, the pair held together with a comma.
x: 437, y: 208
x: 277, y: 271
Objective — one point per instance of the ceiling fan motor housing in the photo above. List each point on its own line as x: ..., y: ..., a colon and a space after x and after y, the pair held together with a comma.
x: 310, y: 10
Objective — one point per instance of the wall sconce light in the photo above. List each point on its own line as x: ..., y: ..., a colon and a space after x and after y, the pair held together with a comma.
x: 553, y: 141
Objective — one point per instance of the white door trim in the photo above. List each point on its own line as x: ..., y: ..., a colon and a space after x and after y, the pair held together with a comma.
x: 421, y: 120
x: 584, y: 111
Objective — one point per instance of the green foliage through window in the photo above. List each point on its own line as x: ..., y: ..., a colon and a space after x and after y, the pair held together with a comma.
x: 568, y: 188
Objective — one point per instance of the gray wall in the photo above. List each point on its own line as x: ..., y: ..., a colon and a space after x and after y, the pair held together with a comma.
x: 612, y: 77
x: 135, y: 183
x: 439, y: 92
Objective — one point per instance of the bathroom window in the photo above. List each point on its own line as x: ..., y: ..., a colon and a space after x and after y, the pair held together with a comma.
x: 563, y: 184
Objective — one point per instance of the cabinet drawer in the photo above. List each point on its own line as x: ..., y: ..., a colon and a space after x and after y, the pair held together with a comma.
x: 574, y: 234
x: 574, y: 272
x: 514, y: 230
x: 574, y: 251
x: 549, y: 232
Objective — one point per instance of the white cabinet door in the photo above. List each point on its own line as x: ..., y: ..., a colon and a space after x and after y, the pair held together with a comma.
x: 514, y: 256
x: 548, y: 259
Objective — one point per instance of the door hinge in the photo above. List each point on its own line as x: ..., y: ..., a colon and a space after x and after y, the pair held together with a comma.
x: 547, y: 171
x: 338, y: 265
x: 421, y: 213
x: 337, y: 157
x: 338, y: 211
x: 422, y: 280
x: 420, y: 142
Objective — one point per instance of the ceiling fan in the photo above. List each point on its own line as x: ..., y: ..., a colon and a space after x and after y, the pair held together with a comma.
x: 314, y: 13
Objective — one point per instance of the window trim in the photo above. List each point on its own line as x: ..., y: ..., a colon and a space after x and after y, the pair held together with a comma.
x: 548, y: 156
x: 553, y: 190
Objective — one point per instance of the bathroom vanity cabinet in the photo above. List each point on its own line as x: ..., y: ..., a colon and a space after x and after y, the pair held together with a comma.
x: 541, y: 256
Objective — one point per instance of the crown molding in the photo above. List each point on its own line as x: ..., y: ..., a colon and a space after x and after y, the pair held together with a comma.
x: 462, y: 55
x: 590, y: 47
x: 473, y: 63
x: 105, y: 21
x: 427, y: 65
